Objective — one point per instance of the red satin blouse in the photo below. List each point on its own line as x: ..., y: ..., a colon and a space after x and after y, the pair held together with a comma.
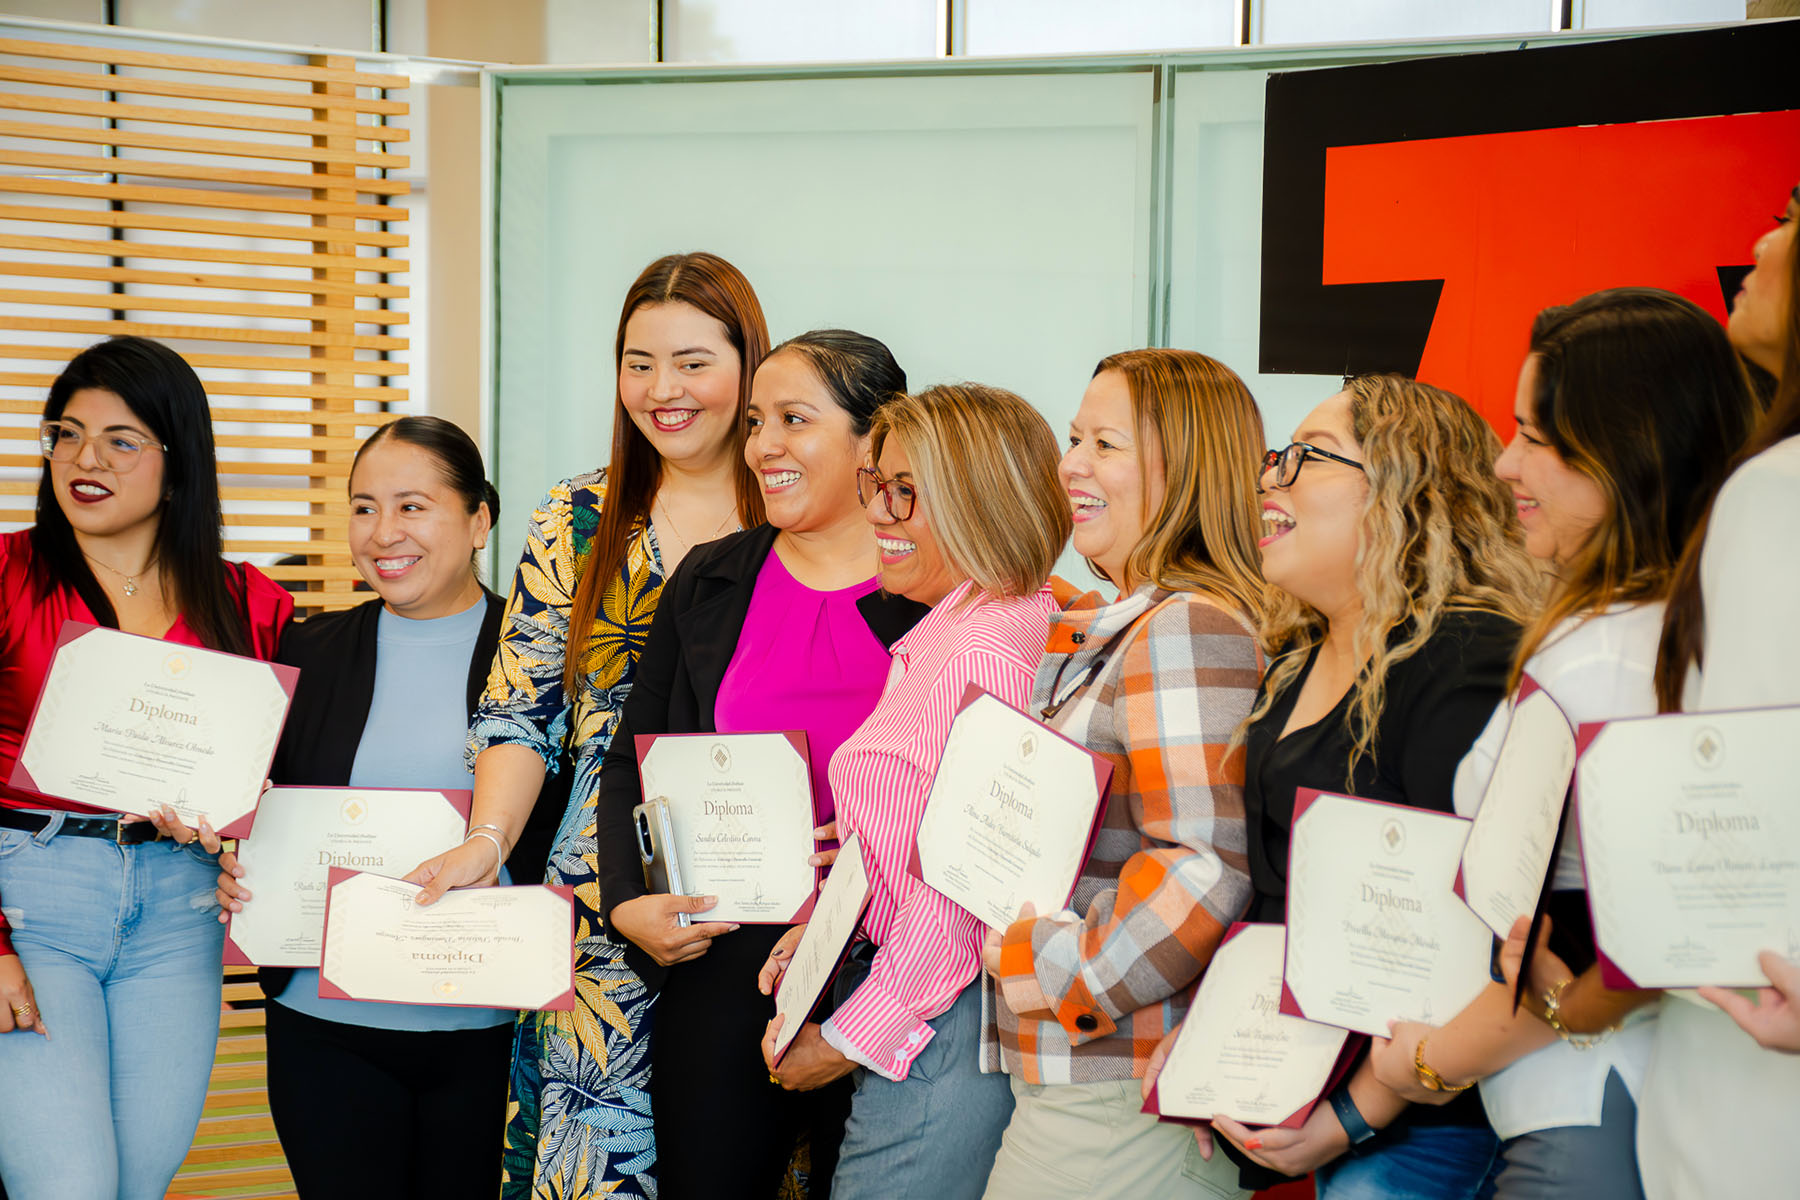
x: 28, y: 632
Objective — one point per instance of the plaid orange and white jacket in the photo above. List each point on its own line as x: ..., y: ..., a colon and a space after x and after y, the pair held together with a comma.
x: 1155, y: 683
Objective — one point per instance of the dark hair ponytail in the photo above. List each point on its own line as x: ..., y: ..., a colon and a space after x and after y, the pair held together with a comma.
x: 163, y: 392
x: 457, y: 457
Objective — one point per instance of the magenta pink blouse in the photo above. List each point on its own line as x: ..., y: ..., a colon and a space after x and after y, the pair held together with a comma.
x: 805, y: 660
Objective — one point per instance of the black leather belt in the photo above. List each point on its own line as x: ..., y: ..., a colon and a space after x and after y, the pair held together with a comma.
x: 120, y: 833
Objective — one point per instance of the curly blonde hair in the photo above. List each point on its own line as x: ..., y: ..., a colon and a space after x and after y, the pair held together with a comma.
x: 1440, y: 532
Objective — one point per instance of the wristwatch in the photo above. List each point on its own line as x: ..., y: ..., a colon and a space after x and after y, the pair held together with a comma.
x: 1430, y: 1079
x: 1349, y: 1116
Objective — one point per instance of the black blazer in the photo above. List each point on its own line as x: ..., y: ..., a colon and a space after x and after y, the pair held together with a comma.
x: 692, y: 637
x: 335, y: 652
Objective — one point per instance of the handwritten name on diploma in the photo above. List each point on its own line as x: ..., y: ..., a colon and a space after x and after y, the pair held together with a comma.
x: 1011, y: 812
x: 129, y: 724
x: 740, y: 812
x: 1375, y: 929
x: 1238, y: 1055
x: 495, y: 947
x: 1691, y: 844
x: 301, y: 834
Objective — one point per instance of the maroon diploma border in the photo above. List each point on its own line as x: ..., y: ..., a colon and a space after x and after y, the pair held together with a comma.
x: 797, y: 738
x: 1303, y: 800
x: 1527, y: 686
x: 1102, y: 780
x: 331, y: 991
x: 462, y: 801
x: 842, y: 957
x: 1349, y: 1051
x: 21, y: 780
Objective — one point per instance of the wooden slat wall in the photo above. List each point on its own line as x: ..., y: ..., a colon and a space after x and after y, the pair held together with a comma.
x: 250, y: 223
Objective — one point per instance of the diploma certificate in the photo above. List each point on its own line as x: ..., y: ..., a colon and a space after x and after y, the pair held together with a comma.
x: 1011, y: 815
x: 491, y: 947
x: 301, y: 833
x: 1238, y: 1055
x: 825, y: 943
x: 1375, y: 933
x: 742, y: 810
x: 1691, y: 841
x: 126, y: 724
x: 1513, y: 835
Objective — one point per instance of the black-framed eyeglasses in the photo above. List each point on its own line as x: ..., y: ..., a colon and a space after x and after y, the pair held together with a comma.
x: 116, y: 450
x: 1286, y: 462
x: 897, y: 494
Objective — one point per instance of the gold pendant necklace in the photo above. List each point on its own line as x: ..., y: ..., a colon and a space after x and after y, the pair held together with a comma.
x: 131, y: 587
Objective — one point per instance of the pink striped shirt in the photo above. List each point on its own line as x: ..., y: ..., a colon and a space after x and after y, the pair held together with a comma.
x: 929, y: 948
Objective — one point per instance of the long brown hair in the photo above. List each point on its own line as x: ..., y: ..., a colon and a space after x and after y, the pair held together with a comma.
x: 718, y: 289
x: 1202, y: 537
x: 1639, y: 390
x: 1684, y: 623
x: 1440, y: 532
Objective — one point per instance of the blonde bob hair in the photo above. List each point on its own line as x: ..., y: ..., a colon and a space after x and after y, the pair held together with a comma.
x: 1203, y: 422
x: 986, y: 461
x: 1439, y: 532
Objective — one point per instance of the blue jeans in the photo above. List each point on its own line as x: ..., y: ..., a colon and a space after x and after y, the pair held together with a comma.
x: 1416, y: 1162
x: 122, y: 946
x: 934, y: 1134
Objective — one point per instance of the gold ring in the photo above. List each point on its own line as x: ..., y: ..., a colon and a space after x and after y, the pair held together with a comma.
x: 773, y: 1079
x: 25, y: 1010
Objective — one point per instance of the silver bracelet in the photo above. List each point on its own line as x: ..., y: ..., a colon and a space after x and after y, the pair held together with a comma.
x: 498, y: 832
x: 499, y: 853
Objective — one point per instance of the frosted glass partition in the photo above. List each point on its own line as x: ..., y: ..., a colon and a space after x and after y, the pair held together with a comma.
x: 993, y: 227
x: 1215, y: 238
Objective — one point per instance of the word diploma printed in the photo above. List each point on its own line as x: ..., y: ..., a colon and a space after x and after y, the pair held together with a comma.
x: 824, y: 945
x: 1506, y: 861
x: 741, y: 809
x: 302, y: 833
x: 1374, y: 931
x: 486, y: 947
x: 1012, y: 813
x: 1238, y: 1055
x: 1690, y: 836
x: 127, y: 724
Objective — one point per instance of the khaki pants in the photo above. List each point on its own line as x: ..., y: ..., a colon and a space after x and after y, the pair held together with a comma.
x: 1089, y: 1140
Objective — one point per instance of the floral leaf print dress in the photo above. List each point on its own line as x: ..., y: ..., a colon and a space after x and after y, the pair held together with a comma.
x: 578, y: 1114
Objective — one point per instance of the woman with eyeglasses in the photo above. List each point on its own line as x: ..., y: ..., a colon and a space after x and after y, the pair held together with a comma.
x: 109, y: 972
x: 780, y: 627
x: 1154, y: 674
x: 1399, y: 589
x: 1630, y: 406
x: 969, y: 519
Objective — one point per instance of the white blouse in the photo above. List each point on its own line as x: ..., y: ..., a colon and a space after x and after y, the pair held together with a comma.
x: 1596, y: 669
x: 1720, y: 1116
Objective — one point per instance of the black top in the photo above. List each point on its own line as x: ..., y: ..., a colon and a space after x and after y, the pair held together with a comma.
x: 335, y: 652
x: 692, y: 638
x: 1438, y: 700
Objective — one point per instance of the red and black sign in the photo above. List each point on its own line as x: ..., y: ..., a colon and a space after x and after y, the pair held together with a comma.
x: 1417, y: 215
